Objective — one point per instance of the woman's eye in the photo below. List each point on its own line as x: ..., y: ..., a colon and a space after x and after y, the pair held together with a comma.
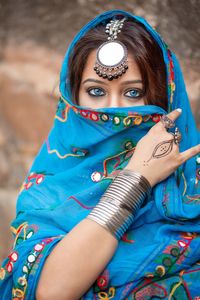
x: 95, y: 92
x: 134, y: 93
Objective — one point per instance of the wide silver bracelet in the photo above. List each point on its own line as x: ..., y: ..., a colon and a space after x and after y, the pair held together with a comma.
x: 120, y: 202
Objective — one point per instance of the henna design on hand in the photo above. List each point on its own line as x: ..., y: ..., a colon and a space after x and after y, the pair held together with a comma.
x: 161, y: 150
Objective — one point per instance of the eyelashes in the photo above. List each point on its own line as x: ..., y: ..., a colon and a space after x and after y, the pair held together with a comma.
x: 96, y: 92
x: 134, y: 93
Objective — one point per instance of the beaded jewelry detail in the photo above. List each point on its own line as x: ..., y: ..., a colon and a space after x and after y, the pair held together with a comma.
x: 111, y: 59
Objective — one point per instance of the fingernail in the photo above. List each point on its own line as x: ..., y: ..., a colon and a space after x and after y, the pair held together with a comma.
x: 179, y: 110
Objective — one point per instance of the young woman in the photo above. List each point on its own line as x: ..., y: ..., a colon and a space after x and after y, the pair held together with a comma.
x: 110, y: 207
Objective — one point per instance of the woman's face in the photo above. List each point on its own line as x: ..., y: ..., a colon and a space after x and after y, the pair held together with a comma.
x: 97, y: 92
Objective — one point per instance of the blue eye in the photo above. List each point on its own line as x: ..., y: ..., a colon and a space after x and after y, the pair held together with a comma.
x: 135, y: 93
x: 95, y: 92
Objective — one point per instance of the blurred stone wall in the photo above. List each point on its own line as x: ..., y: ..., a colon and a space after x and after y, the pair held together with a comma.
x: 34, y: 36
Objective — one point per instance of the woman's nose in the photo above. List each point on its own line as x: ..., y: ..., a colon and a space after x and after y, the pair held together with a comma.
x: 114, y: 101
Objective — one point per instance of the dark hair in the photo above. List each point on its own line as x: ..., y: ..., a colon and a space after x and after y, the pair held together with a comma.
x: 145, y: 50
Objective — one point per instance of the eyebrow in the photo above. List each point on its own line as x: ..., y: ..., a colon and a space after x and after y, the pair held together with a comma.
x: 102, y: 82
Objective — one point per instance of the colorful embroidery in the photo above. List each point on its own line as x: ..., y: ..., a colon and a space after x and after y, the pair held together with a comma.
x: 81, y: 204
x: 2, y: 273
x: 29, y: 267
x: 174, y: 255
x: 119, y: 120
x: 12, y: 258
x: 195, y: 198
x: 192, y: 199
x: 185, y: 183
x: 156, y: 118
x: 123, y: 120
x: 113, y: 164
x: 197, y: 181
x: 180, y: 288
x: 78, y: 152
x: 107, y: 295
x: 9, y: 264
x: 63, y: 109
x: 171, y: 83
x: 101, y: 284
x: 34, y: 178
x: 149, y: 291
x: 125, y: 238
x: 23, y: 232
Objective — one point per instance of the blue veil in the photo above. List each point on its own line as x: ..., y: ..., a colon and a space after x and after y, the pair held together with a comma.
x: 83, y: 151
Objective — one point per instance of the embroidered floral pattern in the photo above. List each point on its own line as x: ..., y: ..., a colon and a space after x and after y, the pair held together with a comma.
x: 107, y: 295
x: 9, y: 264
x: 76, y: 152
x: 29, y: 267
x: 102, y: 282
x: 23, y: 232
x: 34, y: 178
x: 173, y: 256
x: 118, y: 120
x: 171, y: 82
x: 149, y: 291
x: 112, y: 165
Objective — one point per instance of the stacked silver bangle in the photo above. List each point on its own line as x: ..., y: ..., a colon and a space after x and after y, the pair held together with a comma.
x: 119, y: 204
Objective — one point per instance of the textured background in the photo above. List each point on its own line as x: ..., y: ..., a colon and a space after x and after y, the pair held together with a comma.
x: 34, y: 36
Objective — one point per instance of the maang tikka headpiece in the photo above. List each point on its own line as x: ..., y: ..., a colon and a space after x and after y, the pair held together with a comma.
x: 111, y: 60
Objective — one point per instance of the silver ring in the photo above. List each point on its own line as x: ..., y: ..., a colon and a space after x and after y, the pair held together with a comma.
x: 167, y: 122
x: 177, y: 136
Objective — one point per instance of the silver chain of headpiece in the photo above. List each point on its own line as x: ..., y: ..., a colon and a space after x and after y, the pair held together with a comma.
x: 113, y: 28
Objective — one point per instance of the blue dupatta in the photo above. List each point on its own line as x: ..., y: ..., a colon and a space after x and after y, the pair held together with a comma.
x: 83, y: 151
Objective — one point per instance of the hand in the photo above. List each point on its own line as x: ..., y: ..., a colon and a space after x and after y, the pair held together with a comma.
x: 156, y: 156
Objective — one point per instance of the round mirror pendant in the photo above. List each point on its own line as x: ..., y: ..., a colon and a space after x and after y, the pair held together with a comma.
x: 111, y: 61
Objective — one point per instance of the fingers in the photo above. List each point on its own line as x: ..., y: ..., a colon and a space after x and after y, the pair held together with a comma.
x: 173, y: 115
x: 187, y: 154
